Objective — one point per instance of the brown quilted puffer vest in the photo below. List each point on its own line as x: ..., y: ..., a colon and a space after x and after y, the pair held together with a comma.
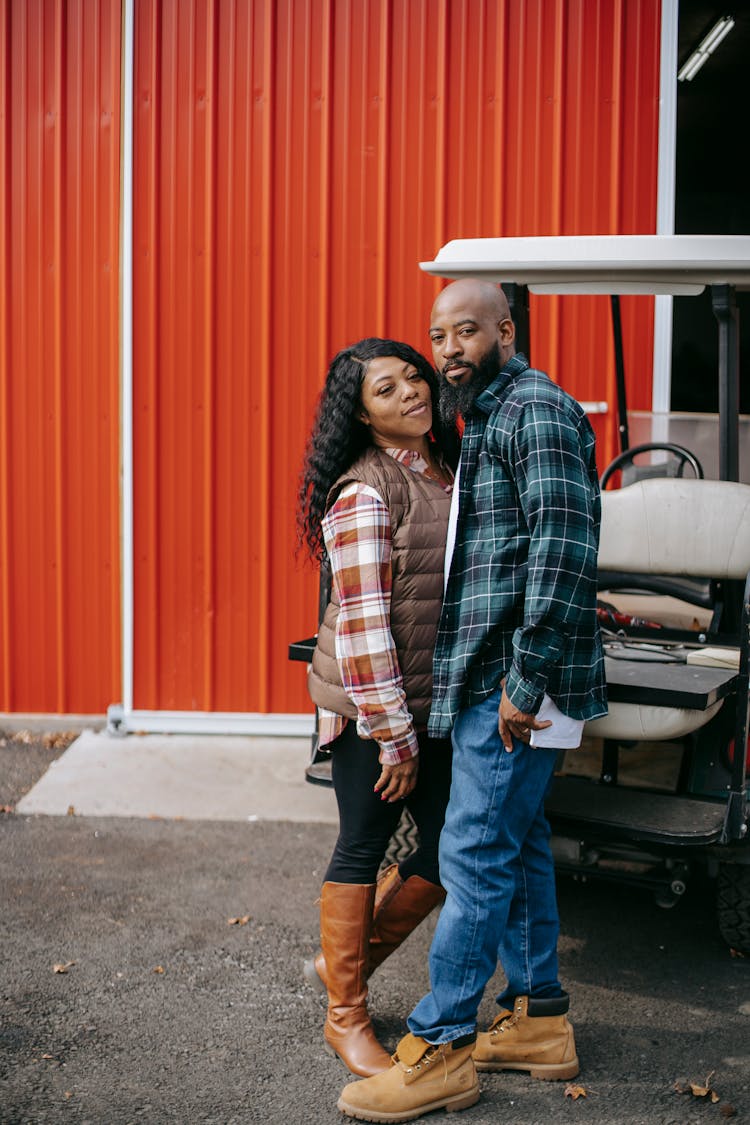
x: 418, y: 509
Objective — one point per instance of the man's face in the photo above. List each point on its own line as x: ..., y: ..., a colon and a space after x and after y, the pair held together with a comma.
x: 459, y: 390
x: 470, y: 344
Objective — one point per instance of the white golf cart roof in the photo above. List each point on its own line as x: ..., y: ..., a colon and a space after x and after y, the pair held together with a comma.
x: 680, y: 264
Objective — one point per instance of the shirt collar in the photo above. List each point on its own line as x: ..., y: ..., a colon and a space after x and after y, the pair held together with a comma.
x: 490, y: 396
x: 408, y: 457
x: 417, y: 463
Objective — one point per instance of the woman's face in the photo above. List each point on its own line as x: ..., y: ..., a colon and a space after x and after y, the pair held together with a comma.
x: 396, y: 403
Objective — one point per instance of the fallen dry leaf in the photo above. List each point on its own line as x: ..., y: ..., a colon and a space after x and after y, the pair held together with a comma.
x: 158, y: 969
x: 6, y: 808
x: 24, y: 736
x: 63, y: 967
x: 703, y: 1089
x: 736, y: 953
x: 243, y: 921
x: 71, y: 810
x: 68, y: 1093
x: 698, y: 1089
x: 48, y: 1056
x: 574, y: 1091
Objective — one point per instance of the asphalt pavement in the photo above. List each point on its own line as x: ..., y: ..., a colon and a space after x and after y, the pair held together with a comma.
x: 151, y: 971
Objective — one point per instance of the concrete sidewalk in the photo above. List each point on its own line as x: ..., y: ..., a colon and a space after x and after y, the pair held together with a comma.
x: 236, y: 778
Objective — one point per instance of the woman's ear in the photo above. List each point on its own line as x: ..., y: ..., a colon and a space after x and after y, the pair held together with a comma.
x: 364, y: 417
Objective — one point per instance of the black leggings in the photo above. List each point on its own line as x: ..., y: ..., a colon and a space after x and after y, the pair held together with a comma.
x: 366, y: 823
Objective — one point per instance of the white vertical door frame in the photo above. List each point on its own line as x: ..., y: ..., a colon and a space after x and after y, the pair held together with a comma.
x: 665, y: 209
x: 126, y: 353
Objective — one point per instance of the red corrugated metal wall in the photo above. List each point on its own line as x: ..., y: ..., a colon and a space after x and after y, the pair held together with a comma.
x: 59, y: 292
x: 294, y: 161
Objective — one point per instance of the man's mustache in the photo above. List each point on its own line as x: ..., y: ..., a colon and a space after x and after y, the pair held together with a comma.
x: 452, y: 365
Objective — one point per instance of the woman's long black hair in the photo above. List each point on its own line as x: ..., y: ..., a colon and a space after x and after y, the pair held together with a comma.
x: 338, y: 437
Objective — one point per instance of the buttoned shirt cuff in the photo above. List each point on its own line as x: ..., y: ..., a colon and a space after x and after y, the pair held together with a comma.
x: 397, y: 750
x: 524, y: 694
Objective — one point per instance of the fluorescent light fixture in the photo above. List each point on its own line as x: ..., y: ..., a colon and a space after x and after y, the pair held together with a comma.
x: 706, y: 47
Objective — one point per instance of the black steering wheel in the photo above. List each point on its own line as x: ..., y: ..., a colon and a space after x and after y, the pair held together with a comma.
x: 682, y: 457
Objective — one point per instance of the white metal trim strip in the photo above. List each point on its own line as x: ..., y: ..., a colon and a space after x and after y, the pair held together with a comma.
x: 121, y: 722
x: 126, y: 355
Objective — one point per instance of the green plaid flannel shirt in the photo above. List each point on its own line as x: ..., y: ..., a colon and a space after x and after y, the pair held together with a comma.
x: 520, y: 601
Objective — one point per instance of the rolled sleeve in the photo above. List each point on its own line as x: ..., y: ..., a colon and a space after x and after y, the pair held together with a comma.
x: 357, y: 533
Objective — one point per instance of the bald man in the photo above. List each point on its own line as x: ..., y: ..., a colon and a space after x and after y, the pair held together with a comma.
x: 518, y: 668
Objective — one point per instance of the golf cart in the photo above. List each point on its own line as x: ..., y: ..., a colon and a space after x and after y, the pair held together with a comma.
x: 658, y: 790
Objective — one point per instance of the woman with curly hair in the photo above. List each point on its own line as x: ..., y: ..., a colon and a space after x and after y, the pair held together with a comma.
x: 374, y: 501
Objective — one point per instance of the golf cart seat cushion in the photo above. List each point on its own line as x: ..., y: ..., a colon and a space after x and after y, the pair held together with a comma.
x: 634, y: 722
x: 691, y: 528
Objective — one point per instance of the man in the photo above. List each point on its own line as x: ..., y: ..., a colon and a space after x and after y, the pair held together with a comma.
x: 518, y: 668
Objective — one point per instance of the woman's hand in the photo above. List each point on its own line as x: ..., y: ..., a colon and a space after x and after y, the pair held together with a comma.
x: 397, y: 782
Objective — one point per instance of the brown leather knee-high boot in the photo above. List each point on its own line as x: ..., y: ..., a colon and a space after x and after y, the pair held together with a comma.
x: 345, y: 925
x: 404, y: 903
x: 399, y: 908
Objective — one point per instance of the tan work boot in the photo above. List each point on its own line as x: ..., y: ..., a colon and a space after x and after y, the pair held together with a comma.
x: 423, y: 1077
x: 345, y: 924
x: 536, y: 1036
x: 399, y: 908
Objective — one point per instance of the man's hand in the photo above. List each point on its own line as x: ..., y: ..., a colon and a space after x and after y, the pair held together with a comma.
x: 397, y: 782
x: 513, y: 723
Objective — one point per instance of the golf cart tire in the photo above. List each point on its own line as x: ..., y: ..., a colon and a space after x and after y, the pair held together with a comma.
x: 733, y: 905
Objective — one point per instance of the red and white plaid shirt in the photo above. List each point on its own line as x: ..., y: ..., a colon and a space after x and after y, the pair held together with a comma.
x: 357, y: 533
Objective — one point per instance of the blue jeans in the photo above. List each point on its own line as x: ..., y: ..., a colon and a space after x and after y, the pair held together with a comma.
x: 497, y: 870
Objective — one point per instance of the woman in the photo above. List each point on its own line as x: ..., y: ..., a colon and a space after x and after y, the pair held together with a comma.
x: 374, y: 498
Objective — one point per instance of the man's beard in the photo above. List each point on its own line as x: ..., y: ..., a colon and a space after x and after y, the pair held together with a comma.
x: 459, y: 399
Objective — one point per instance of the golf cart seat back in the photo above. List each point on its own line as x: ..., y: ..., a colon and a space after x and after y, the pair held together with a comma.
x: 675, y: 528
x: 645, y: 722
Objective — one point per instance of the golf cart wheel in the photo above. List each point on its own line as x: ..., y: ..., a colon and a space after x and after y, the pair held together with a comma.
x: 733, y: 905
x: 404, y: 841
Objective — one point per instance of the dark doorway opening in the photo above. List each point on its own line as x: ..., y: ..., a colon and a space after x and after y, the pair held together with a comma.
x: 712, y: 192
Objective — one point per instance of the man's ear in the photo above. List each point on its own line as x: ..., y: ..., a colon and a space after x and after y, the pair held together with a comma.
x: 507, y: 331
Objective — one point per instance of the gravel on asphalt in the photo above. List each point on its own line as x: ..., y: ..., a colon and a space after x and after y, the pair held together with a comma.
x: 182, y: 997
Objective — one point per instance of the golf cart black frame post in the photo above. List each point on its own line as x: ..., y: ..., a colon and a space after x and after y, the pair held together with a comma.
x: 724, y: 304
